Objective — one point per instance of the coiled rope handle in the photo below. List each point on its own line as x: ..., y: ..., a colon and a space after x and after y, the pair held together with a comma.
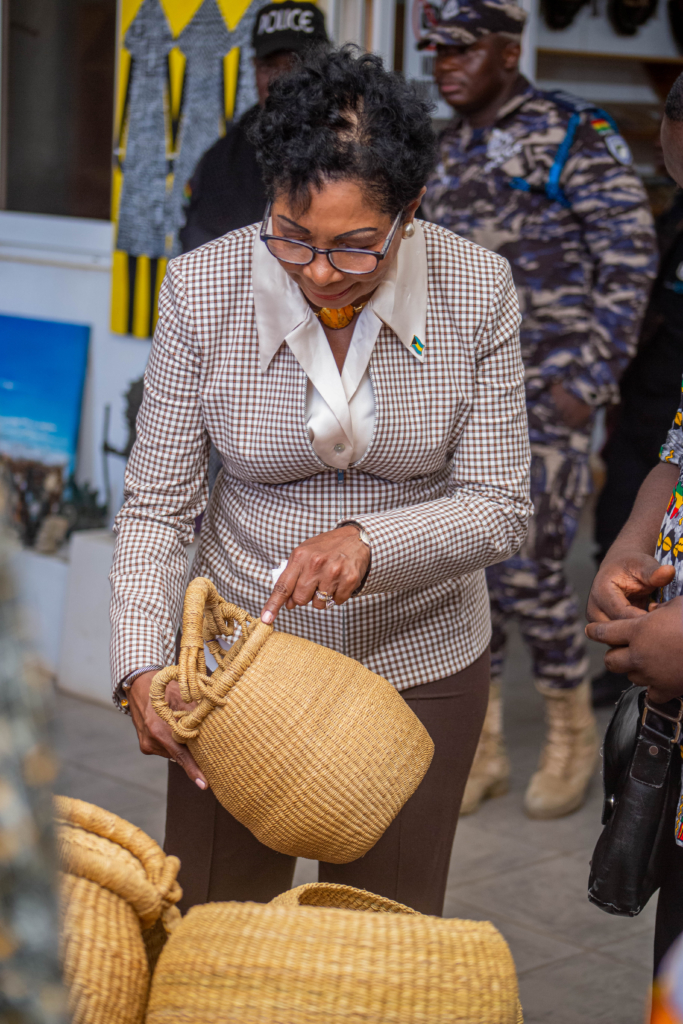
x: 206, y: 617
x: 152, y: 898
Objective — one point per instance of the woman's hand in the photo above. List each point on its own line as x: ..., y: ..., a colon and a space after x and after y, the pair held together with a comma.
x: 333, y: 563
x: 154, y: 734
x: 623, y: 584
x: 648, y: 649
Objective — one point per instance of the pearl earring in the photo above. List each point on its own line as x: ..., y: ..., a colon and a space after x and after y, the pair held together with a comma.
x: 408, y: 229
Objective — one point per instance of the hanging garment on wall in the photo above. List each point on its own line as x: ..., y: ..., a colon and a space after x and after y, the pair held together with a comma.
x: 141, y: 219
x: 185, y: 71
x: 675, y: 8
x: 560, y: 14
x: 628, y: 15
x: 204, y: 42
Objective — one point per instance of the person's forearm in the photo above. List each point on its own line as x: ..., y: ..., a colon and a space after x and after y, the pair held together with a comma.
x: 420, y: 545
x: 642, y: 527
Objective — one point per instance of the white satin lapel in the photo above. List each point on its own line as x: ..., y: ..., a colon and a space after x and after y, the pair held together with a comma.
x: 309, y: 346
x: 360, y: 351
x: 279, y: 306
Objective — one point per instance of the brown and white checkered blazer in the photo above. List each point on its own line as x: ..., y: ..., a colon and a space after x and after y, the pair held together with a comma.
x: 442, y: 489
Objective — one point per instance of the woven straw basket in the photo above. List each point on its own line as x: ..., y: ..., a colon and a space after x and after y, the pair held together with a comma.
x: 311, y: 751
x: 288, y: 963
x: 118, y: 893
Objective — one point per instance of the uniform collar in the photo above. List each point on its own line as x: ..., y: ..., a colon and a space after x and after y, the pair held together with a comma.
x: 522, y: 93
x: 283, y: 315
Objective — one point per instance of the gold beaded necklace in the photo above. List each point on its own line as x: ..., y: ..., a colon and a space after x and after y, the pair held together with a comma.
x: 336, y: 319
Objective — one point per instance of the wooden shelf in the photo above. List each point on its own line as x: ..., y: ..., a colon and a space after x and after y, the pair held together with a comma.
x: 554, y: 51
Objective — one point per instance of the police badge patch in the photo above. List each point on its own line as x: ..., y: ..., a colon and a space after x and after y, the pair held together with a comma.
x: 501, y: 147
x: 618, y: 147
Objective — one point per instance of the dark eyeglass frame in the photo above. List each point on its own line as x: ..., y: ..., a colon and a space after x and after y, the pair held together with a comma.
x: 329, y: 252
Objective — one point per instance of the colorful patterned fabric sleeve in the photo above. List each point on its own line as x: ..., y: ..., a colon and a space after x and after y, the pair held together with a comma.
x: 669, y: 549
x: 672, y: 449
x: 166, y: 489
x: 484, y: 518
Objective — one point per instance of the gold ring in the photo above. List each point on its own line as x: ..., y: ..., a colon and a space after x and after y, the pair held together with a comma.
x: 322, y: 595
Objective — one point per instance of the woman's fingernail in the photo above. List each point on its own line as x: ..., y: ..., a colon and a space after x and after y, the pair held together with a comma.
x: 200, y: 783
x: 267, y: 617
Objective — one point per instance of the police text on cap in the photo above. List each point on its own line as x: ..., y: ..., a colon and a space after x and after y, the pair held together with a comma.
x: 292, y: 18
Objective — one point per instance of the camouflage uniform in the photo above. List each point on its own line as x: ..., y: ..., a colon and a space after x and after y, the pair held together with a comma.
x: 550, y: 187
x: 30, y: 978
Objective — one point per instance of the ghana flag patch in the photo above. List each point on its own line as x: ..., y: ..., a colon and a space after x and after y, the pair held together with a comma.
x: 602, y: 126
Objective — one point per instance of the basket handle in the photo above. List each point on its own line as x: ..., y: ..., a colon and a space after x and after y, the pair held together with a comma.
x: 340, y: 897
x: 206, y: 616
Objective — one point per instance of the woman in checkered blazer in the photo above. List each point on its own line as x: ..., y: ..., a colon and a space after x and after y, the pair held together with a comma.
x: 359, y: 373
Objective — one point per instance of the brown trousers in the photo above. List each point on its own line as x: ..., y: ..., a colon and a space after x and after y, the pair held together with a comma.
x: 222, y: 860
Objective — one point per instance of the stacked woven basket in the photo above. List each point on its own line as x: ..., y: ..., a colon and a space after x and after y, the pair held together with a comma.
x: 319, y: 954
x: 118, y: 893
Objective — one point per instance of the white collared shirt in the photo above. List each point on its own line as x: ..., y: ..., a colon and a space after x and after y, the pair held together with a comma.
x: 340, y: 408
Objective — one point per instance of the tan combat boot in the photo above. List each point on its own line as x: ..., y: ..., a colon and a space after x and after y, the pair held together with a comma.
x: 570, y: 754
x: 490, y: 772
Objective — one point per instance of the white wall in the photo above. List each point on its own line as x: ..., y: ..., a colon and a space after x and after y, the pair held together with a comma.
x: 527, y: 64
x: 40, y: 583
x: 592, y: 32
x: 83, y: 655
x: 59, y: 268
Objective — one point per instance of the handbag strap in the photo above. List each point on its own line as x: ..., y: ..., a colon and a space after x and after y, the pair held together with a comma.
x: 660, y: 732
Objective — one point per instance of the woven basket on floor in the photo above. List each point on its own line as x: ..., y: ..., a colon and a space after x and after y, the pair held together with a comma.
x: 311, y: 751
x: 118, y: 892
x: 246, y: 963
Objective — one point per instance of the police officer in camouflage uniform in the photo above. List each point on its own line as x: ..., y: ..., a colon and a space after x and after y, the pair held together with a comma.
x: 545, y: 180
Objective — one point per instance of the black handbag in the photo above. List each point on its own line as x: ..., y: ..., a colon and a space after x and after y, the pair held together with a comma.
x: 642, y: 778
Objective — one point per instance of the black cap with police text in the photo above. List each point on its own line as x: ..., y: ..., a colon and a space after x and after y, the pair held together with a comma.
x: 287, y: 26
x: 460, y: 24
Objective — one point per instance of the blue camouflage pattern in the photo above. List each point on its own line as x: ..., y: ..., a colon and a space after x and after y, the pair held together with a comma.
x: 583, y: 262
x: 532, y: 585
x: 460, y: 24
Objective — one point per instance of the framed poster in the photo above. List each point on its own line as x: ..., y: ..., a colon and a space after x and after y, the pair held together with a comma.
x: 42, y: 373
x: 184, y: 71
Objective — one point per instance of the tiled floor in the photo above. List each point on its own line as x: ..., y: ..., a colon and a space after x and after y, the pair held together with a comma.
x: 576, y: 964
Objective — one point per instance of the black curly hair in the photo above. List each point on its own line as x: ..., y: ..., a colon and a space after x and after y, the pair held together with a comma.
x: 340, y: 115
x: 674, y: 101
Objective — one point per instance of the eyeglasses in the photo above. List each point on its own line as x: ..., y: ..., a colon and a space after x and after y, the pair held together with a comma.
x: 349, y: 261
